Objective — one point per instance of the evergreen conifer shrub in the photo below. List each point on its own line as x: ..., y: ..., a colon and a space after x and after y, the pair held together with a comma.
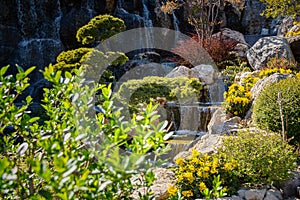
x: 266, y: 109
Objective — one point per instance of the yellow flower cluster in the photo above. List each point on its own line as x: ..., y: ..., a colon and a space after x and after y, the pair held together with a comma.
x: 267, y: 72
x: 238, y: 97
x: 172, y: 190
x: 295, y: 32
x: 196, y: 173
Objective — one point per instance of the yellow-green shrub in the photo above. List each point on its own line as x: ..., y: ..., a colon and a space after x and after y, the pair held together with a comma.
x: 262, y: 158
x: 142, y: 90
x: 266, y: 112
x: 201, y: 175
x: 100, y: 28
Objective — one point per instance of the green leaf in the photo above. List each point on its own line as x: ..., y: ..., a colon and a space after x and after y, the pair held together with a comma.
x: 4, y: 163
x: 68, y: 75
x: 3, y: 70
x: 28, y: 71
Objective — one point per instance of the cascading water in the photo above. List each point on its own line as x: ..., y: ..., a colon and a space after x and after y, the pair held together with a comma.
x: 176, y: 27
x: 40, y: 42
x: 147, y: 23
x: 90, y: 5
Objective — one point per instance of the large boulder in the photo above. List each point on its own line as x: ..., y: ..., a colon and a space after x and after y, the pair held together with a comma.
x: 219, y: 124
x: 181, y: 71
x: 286, y: 25
x: 268, y: 47
x: 206, y: 73
x: 227, y: 33
x: 259, y: 86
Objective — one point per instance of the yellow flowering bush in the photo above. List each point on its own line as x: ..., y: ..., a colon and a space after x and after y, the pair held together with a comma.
x: 202, y: 175
x: 267, y: 72
x: 238, y: 98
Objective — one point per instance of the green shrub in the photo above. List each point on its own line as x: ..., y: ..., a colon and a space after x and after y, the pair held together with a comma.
x: 92, y: 58
x: 262, y: 158
x: 134, y: 92
x: 266, y: 112
x: 233, y: 68
x: 100, y: 28
x: 201, y: 175
x: 74, y: 155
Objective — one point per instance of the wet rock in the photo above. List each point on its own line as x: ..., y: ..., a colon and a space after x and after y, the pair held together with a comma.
x: 131, y: 20
x: 71, y: 21
x: 268, y: 47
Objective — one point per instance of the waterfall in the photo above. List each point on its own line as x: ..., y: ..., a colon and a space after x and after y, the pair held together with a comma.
x: 58, y: 19
x: 90, y: 5
x: 21, y: 18
x: 40, y: 34
x: 176, y: 27
x: 147, y: 23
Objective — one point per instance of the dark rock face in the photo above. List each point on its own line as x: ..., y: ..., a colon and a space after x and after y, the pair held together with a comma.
x: 295, y: 46
x: 252, y: 21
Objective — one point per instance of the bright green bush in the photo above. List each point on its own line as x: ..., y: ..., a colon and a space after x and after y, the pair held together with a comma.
x: 232, y: 69
x: 74, y: 154
x: 143, y: 90
x: 202, y: 176
x: 92, y: 58
x: 100, y: 28
x: 266, y: 112
x: 262, y: 158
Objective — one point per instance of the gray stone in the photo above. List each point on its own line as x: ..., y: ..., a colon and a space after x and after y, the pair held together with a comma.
x: 241, y: 193
x: 220, y: 125
x: 206, y: 73
x: 208, y: 143
x: 241, y: 49
x: 268, y: 47
x: 255, y: 194
x: 231, y: 34
x: 181, y: 71
x: 259, y: 86
x: 273, y: 194
x: 286, y: 25
x: 289, y: 187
